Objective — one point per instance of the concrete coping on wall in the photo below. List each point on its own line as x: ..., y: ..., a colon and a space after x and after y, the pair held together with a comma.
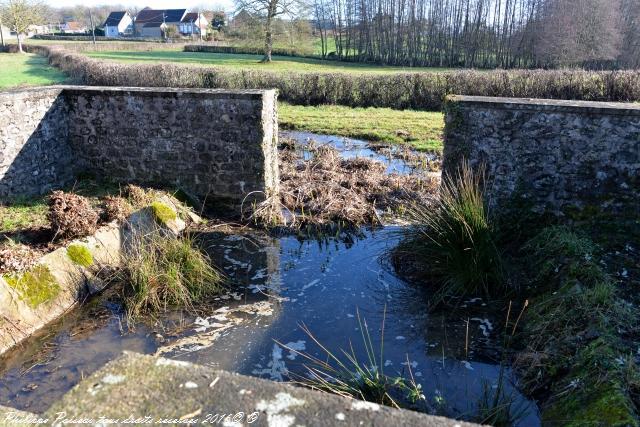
x: 549, y: 105
x: 123, y: 90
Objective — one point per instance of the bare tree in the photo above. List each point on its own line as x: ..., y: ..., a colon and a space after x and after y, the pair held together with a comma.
x: 268, y: 10
x: 20, y: 14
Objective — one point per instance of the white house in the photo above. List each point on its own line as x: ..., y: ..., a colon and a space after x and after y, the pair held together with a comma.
x: 118, y: 24
x: 194, y: 23
x: 6, y: 33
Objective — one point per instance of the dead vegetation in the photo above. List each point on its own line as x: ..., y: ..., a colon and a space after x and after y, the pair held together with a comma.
x: 71, y: 215
x: 321, y: 189
x: 17, y: 258
x: 115, y: 208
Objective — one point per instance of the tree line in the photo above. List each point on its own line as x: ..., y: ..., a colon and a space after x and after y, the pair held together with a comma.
x: 481, y: 33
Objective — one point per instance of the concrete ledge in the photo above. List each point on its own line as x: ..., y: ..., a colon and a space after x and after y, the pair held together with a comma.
x: 140, y: 386
x: 142, y: 91
x: 549, y: 105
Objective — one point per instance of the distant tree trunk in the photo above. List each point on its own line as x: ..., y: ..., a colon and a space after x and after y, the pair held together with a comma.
x: 19, y: 43
x: 268, y: 36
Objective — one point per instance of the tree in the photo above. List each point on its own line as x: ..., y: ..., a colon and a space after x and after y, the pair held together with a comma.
x: 577, y: 32
x: 18, y: 15
x: 268, y: 10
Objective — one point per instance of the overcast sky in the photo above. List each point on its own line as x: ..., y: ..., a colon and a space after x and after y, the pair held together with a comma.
x: 155, y: 4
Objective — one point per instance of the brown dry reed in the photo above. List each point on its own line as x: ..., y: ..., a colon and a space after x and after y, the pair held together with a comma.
x: 326, y: 191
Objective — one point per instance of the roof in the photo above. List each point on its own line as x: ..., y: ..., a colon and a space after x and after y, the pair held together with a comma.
x: 114, y: 19
x: 160, y: 15
x: 152, y: 25
x: 74, y: 25
x: 191, y: 16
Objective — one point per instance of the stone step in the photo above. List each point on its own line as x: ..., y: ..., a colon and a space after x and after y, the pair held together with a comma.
x: 139, y: 389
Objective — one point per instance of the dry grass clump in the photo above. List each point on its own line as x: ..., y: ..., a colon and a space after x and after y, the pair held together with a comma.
x: 328, y: 190
x: 138, y: 196
x: 71, y: 215
x: 115, y: 208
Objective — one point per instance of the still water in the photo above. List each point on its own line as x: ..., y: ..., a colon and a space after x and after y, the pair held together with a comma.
x: 278, y: 286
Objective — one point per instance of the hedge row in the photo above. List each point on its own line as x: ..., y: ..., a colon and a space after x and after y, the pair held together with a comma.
x: 245, y: 50
x: 420, y: 91
x: 89, y: 37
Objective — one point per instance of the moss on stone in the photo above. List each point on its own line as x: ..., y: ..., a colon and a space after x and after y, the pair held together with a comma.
x: 596, y: 395
x: 80, y: 255
x: 576, y: 322
x: 36, y: 286
x: 162, y: 212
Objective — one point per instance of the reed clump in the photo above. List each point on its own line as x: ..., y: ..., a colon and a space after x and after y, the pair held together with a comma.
x: 162, y: 272
x: 452, y: 241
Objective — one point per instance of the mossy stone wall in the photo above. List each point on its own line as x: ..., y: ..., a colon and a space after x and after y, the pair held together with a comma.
x: 559, y: 155
x: 35, y: 156
x: 215, y: 143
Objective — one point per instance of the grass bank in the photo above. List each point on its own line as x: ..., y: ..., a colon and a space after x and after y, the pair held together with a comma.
x: 575, y: 345
x: 420, y: 129
x: 27, y: 70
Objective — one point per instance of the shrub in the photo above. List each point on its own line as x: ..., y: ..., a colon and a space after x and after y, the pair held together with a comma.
x: 71, y: 215
x: 80, y: 255
x: 453, y: 241
x: 137, y: 196
x: 162, y: 272
x: 410, y: 90
x: 248, y: 50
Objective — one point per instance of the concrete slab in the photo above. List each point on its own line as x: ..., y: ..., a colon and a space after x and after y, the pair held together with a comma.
x: 144, y: 389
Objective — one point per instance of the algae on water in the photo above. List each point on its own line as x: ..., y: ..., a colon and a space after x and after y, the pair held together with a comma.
x: 35, y: 286
x: 80, y: 255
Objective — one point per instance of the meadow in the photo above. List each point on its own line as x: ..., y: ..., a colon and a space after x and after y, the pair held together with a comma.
x: 28, y: 69
x: 250, y: 62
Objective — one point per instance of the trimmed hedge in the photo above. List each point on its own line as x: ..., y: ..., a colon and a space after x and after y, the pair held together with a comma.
x: 420, y: 91
x: 245, y: 50
x: 89, y: 37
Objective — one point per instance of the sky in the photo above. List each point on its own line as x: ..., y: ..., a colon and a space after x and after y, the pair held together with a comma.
x: 154, y: 4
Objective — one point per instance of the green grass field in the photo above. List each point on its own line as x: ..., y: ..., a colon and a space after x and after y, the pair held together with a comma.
x: 421, y: 129
x: 27, y: 70
x: 280, y: 63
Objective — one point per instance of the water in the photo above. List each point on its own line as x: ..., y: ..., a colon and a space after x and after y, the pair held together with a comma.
x: 279, y: 286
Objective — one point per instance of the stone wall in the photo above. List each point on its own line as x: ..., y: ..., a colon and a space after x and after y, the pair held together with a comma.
x: 559, y: 156
x: 214, y: 143
x: 35, y: 156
